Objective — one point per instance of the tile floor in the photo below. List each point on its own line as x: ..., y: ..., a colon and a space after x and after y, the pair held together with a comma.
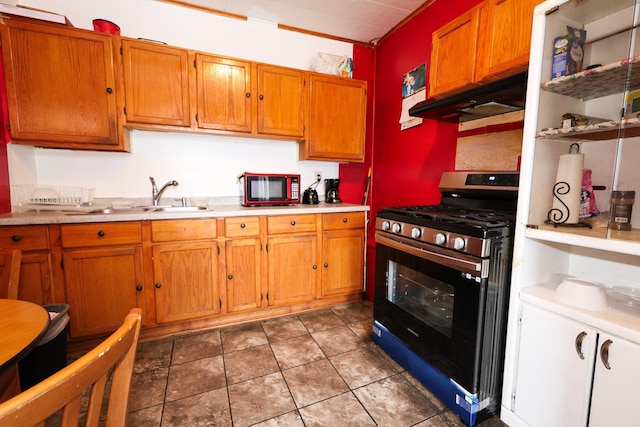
x: 319, y: 368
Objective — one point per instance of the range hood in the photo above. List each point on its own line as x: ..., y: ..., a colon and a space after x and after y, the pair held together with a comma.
x: 501, y: 96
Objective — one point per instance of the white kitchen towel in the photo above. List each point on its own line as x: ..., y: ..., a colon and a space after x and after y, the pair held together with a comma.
x: 566, y: 192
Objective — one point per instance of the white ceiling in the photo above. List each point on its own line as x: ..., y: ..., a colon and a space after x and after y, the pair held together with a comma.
x: 358, y: 20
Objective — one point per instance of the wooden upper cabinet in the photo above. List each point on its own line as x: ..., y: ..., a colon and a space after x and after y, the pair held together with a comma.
x: 224, y: 93
x: 156, y: 82
x: 337, y: 119
x: 506, y: 38
x: 453, y: 54
x: 61, y: 86
x: 281, y: 100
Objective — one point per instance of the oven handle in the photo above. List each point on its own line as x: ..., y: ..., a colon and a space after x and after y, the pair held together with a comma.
x: 472, y: 267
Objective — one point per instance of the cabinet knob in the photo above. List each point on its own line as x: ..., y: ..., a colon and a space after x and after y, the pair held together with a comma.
x: 109, y: 90
x: 230, y: 277
x: 158, y: 285
x: 578, y: 344
x: 604, y: 353
x: 101, y: 233
x: 243, y: 225
x: 138, y: 288
x: 16, y: 238
x: 315, y: 267
x: 344, y: 220
x: 261, y: 97
x: 326, y: 265
x: 293, y: 223
x: 248, y: 94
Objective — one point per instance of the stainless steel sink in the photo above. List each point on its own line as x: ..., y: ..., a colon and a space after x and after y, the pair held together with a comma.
x: 147, y: 209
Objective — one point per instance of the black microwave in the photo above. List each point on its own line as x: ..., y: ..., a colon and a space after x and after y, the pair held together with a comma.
x: 271, y: 189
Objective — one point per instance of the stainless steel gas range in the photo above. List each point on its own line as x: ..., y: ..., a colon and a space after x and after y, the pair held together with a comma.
x: 442, y: 285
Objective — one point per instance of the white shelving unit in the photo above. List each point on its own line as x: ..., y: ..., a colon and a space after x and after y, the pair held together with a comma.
x: 544, y: 254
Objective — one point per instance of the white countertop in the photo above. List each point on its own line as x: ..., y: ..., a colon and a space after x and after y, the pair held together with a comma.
x: 214, y: 211
x: 616, y: 320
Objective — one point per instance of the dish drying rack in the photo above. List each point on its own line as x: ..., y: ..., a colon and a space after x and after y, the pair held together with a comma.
x: 39, y: 195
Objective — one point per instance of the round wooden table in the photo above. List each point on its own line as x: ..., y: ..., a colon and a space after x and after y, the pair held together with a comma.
x: 22, y: 325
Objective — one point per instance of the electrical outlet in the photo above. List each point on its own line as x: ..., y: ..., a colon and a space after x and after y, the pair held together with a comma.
x: 318, y: 176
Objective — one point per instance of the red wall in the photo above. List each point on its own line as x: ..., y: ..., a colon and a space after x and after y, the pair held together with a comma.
x: 406, y: 165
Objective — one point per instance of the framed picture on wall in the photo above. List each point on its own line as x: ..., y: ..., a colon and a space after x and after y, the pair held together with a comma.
x: 413, y: 91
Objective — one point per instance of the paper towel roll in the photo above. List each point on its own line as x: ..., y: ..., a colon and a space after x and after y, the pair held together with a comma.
x: 566, y: 192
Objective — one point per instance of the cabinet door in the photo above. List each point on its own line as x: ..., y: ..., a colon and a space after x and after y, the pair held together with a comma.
x: 185, y: 280
x: 614, y: 398
x: 244, y: 289
x: 60, y: 86
x: 102, y: 285
x: 224, y: 93
x: 281, y: 100
x: 343, y: 262
x: 156, y: 82
x: 337, y: 119
x: 454, y: 53
x: 293, y: 268
x: 553, y: 382
x: 506, y: 37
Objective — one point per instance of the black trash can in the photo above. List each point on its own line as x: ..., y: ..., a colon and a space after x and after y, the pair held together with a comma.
x: 50, y: 355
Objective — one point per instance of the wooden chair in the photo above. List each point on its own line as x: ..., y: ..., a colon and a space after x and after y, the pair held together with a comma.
x: 64, y: 389
x: 11, y: 274
x: 9, y: 379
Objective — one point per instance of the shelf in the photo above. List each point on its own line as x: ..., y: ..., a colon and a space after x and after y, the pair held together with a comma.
x: 627, y: 242
x: 611, y: 129
x: 597, y: 82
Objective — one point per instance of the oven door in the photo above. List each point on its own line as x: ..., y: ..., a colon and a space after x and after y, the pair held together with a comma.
x: 434, y: 303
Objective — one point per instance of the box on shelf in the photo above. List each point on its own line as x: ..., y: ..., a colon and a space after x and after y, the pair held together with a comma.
x: 632, y: 108
x: 568, y: 53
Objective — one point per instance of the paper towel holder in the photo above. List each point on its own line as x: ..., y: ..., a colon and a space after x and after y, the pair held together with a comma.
x: 559, y: 216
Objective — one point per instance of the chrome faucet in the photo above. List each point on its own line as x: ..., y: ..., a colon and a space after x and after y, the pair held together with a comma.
x: 155, y: 194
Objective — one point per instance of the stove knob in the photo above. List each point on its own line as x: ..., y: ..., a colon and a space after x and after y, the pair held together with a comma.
x: 441, y: 239
x: 385, y: 225
x: 416, y: 233
x: 395, y: 228
x: 459, y: 243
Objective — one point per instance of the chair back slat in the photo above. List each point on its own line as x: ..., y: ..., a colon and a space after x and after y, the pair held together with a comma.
x: 64, y: 389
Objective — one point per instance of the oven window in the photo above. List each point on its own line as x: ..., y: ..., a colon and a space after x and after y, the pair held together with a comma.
x: 422, y: 296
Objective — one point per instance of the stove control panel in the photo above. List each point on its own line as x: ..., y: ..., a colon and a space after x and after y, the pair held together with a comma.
x: 458, y: 242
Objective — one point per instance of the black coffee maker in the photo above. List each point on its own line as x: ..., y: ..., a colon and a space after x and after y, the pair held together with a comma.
x: 331, y: 194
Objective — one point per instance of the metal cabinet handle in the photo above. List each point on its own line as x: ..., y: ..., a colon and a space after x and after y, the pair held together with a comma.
x: 293, y: 223
x: 138, y: 288
x: 248, y: 94
x: 604, y: 353
x: 16, y: 238
x: 158, y: 285
x: 243, y: 225
x: 261, y: 97
x: 101, y: 233
x: 109, y: 90
x: 230, y: 277
x: 315, y: 267
x: 326, y: 265
x: 578, y: 343
x: 344, y: 220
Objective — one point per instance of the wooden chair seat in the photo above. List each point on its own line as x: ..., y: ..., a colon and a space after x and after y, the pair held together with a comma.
x: 64, y: 389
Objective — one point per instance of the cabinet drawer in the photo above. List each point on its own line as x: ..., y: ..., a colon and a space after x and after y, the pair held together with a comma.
x: 242, y: 226
x: 30, y: 238
x: 342, y: 220
x: 291, y: 223
x: 102, y: 234
x: 192, y: 229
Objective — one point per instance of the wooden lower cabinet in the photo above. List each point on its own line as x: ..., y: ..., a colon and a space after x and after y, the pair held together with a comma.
x: 185, y: 280
x: 36, y: 277
x: 244, y: 287
x: 343, y: 253
x: 293, y: 268
x: 102, y: 285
